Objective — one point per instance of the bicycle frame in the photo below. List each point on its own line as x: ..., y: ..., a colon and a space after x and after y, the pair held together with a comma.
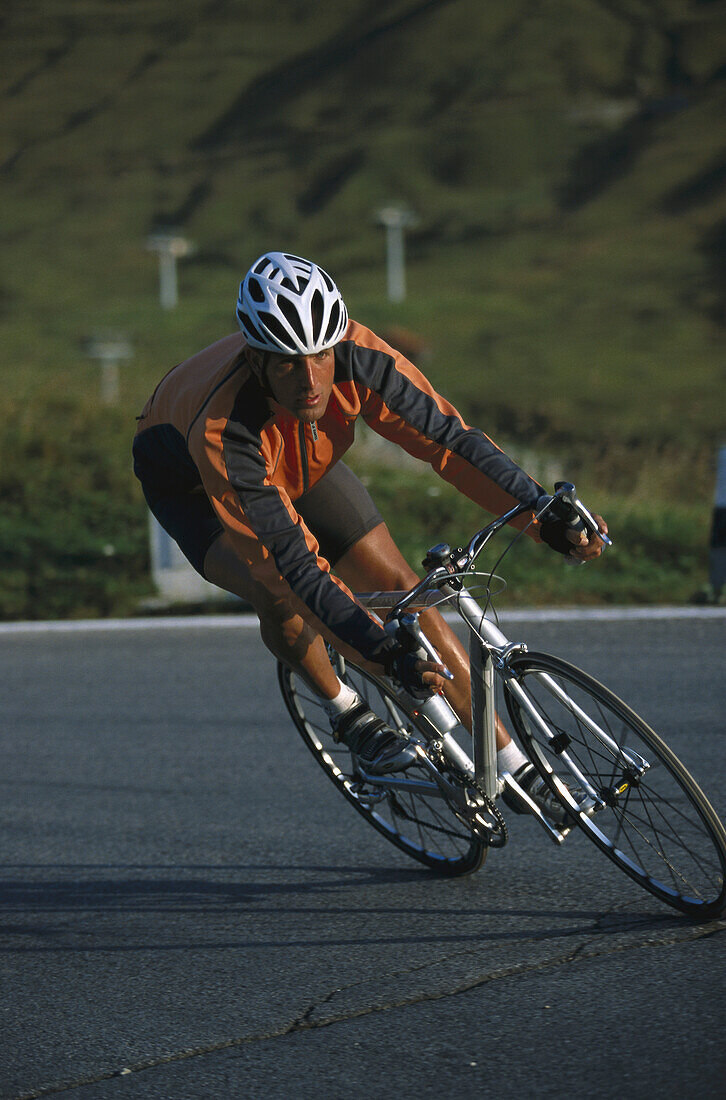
x: 489, y: 650
x: 490, y: 653
x: 590, y: 748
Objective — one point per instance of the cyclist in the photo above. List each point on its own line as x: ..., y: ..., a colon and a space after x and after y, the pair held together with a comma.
x: 239, y: 454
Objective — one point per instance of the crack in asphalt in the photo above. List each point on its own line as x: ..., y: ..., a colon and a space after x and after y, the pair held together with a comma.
x: 590, y: 949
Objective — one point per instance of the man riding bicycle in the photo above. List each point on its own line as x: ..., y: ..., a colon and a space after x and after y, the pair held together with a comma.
x: 239, y: 454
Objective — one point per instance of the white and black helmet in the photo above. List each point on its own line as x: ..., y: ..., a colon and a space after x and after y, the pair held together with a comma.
x: 290, y: 305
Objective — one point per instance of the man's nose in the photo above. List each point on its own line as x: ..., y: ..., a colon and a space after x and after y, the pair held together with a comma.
x: 309, y: 373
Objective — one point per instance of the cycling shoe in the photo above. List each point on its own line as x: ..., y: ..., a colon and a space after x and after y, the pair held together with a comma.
x: 378, y: 749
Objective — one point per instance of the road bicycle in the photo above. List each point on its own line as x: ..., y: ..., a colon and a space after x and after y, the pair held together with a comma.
x: 617, y: 780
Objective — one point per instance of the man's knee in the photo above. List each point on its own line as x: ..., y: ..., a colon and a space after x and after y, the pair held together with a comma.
x: 375, y: 561
x: 284, y: 631
x: 224, y: 567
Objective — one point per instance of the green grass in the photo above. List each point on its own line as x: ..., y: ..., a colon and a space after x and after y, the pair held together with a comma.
x: 582, y: 326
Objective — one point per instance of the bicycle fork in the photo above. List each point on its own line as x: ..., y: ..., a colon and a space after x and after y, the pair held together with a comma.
x: 481, y: 658
x: 484, y: 737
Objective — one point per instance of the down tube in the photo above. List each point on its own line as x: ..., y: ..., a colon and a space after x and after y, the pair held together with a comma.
x: 482, y: 675
x: 482, y: 689
x: 482, y: 716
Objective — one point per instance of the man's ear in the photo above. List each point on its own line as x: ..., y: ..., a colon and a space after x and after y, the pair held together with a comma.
x: 254, y: 357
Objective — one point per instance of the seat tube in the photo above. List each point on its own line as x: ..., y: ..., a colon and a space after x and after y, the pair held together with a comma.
x: 482, y: 716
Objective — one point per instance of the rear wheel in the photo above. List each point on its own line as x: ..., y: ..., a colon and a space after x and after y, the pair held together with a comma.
x: 420, y: 824
x: 650, y: 817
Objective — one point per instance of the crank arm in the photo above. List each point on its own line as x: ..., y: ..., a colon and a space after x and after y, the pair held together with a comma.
x: 440, y: 788
x: 556, y: 834
x: 447, y: 789
x: 457, y: 799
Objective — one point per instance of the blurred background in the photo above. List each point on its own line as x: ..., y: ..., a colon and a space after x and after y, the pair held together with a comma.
x: 562, y: 168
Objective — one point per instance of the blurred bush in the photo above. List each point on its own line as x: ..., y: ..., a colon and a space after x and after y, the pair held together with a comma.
x: 73, y: 540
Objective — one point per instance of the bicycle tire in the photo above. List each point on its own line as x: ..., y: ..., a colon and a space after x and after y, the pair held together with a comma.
x: 422, y: 826
x: 657, y: 827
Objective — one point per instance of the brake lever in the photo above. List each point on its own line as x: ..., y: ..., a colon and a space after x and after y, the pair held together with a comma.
x: 566, y: 492
x: 408, y: 623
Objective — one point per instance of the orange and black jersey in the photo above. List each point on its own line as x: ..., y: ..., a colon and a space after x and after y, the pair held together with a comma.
x: 209, y: 424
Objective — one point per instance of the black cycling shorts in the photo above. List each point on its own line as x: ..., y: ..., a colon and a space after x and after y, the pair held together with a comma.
x: 338, y: 510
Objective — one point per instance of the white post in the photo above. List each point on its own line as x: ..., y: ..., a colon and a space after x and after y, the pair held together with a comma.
x: 169, y: 247
x: 109, y: 381
x: 718, y: 530
x: 395, y: 219
x: 395, y: 263
x: 109, y: 349
x: 168, y: 293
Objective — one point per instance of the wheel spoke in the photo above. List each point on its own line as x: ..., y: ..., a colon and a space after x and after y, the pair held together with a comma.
x: 677, y: 877
x: 667, y: 834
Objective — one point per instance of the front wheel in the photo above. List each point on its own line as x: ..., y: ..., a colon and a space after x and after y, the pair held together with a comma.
x: 420, y: 824
x: 643, y: 809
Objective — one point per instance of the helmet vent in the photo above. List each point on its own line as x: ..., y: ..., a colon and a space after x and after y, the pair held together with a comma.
x: 332, y: 323
x: 249, y: 328
x: 273, y: 326
x: 256, y: 291
x: 316, y: 312
x: 291, y: 316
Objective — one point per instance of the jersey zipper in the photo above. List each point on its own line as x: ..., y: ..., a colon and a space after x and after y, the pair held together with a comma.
x: 303, y: 456
x: 304, y: 451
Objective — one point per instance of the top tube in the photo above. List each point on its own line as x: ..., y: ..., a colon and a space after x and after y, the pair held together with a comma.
x: 387, y: 600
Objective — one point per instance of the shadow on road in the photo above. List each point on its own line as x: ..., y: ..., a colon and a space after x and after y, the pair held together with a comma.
x: 276, y: 891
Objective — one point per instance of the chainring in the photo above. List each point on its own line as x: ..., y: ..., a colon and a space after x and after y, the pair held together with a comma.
x: 490, y: 829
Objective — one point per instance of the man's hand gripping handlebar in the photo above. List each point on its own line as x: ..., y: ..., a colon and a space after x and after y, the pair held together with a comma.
x: 568, y: 527
x: 412, y: 661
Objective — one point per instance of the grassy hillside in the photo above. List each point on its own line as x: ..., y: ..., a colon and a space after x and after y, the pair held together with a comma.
x: 567, y: 163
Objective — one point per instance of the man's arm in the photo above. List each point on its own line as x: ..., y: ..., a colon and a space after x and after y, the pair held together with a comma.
x: 399, y: 403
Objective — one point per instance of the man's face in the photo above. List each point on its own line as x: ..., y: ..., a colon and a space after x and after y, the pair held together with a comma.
x: 301, y: 384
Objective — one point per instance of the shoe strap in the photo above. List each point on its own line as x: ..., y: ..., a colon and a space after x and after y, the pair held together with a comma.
x: 358, y: 727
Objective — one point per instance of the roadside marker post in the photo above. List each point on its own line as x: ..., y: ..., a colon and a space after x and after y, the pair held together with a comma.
x: 718, y: 529
x: 395, y: 218
x: 176, y: 581
x: 169, y: 247
x: 109, y: 349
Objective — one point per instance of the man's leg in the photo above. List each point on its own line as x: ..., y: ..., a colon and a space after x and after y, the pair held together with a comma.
x: 294, y: 641
x: 283, y: 630
x: 375, y: 563
x: 288, y: 628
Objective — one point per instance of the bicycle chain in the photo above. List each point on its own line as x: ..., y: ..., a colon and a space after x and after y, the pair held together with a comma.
x: 493, y: 837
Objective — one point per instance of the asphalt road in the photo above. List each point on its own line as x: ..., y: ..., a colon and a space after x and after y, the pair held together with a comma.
x: 189, y: 909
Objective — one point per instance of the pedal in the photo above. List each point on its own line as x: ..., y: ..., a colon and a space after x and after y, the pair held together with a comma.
x: 367, y: 797
x: 556, y: 833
